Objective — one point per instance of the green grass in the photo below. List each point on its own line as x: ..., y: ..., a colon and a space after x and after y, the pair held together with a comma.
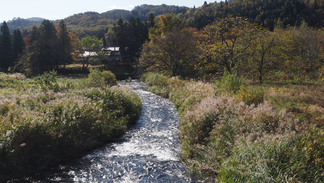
x: 46, y: 120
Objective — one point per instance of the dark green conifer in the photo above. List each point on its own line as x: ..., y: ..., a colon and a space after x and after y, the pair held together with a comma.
x: 6, y: 58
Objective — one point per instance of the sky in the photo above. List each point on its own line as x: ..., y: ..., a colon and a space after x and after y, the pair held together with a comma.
x: 59, y: 9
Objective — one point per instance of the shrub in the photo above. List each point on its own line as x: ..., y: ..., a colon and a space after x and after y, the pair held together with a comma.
x: 231, y: 83
x: 95, y: 79
x: 155, y: 79
x: 109, y: 78
x: 251, y: 95
x: 48, y: 81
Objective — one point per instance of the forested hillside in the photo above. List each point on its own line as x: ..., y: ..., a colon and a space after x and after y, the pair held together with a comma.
x: 267, y: 13
x: 20, y: 23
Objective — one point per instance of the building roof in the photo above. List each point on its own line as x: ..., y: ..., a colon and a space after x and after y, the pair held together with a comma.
x: 111, y: 49
x: 89, y: 54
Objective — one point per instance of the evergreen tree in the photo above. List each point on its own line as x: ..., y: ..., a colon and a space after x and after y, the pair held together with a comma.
x: 121, y: 36
x: 17, y: 44
x: 130, y: 38
x: 151, y: 22
x: 48, y: 46
x: 31, y: 59
x: 65, y: 47
x: 6, y: 59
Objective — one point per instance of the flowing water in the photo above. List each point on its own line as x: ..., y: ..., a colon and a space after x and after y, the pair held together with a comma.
x: 148, y: 152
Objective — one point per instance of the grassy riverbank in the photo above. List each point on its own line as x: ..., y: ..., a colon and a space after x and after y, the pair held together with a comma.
x: 46, y: 120
x: 231, y: 131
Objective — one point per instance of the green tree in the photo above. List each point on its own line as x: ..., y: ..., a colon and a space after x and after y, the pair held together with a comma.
x: 17, y: 44
x: 49, y: 54
x: 93, y: 45
x: 130, y: 37
x: 6, y: 52
x: 121, y: 37
x: 42, y: 52
x: 65, y: 46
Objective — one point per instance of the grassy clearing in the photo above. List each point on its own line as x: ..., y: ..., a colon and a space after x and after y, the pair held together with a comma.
x: 234, y: 132
x: 46, y: 120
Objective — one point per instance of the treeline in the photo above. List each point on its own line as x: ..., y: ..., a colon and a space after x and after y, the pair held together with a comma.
x: 234, y: 45
x: 11, y: 46
x: 266, y: 13
x: 45, y: 49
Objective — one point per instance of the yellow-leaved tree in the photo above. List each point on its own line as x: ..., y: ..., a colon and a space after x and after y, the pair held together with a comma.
x: 172, y: 49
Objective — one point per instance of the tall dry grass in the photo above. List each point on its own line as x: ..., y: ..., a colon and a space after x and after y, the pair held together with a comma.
x: 233, y: 132
x: 49, y: 120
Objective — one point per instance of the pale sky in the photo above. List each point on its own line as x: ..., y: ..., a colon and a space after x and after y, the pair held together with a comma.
x: 59, y: 9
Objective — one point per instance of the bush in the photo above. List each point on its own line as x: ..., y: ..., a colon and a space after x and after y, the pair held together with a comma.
x: 231, y: 83
x: 109, y: 78
x: 48, y: 81
x: 155, y: 79
x: 251, y: 95
x: 101, y: 79
x: 95, y: 79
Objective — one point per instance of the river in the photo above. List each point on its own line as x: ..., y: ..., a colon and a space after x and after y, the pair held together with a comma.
x: 148, y: 152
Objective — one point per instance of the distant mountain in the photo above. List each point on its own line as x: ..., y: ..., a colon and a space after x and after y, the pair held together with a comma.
x: 21, y: 23
x: 267, y: 13
x: 35, y: 19
x: 96, y: 24
x: 93, y: 23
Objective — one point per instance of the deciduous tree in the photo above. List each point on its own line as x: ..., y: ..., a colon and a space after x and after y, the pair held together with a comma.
x: 229, y: 40
x: 173, y: 54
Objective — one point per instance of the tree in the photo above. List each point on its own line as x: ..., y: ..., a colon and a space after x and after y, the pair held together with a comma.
x: 17, y: 44
x: 42, y: 52
x: 172, y: 54
x: 6, y: 54
x: 229, y: 40
x: 165, y: 24
x: 304, y: 51
x: 64, y: 42
x: 49, y: 54
x: 29, y: 61
x: 121, y: 37
x: 172, y: 48
x: 92, y: 44
x: 130, y: 37
x: 261, y: 53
